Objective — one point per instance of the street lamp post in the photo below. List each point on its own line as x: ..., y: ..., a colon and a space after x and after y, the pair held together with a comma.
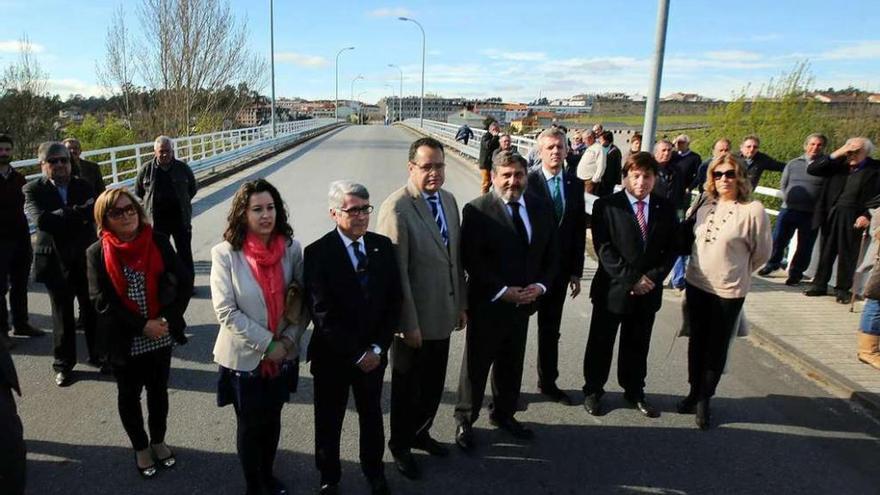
x: 399, y: 100
x: 361, y: 113
x: 336, y: 105
x: 653, y: 103
x: 359, y: 77
x: 391, y: 87
x: 422, y: 101
x: 272, y: 57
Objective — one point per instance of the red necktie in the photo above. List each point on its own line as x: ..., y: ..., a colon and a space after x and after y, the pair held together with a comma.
x: 640, y: 216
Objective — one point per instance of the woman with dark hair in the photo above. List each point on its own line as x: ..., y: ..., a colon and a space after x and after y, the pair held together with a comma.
x: 140, y: 290
x: 257, y: 345
x: 731, y: 240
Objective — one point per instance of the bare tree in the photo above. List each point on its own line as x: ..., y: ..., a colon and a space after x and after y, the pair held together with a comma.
x: 26, y: 111
x: 192, y: 50
x: 116, y: 73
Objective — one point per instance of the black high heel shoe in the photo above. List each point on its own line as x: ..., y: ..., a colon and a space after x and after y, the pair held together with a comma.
x: 146, y: 473
x: 167, y: 462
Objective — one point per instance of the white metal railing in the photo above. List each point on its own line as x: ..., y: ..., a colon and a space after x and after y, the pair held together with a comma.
x: 201, y: 152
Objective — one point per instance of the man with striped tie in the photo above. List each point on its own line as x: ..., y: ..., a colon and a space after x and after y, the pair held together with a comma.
x: 633, y: 233
x: 422, y: 221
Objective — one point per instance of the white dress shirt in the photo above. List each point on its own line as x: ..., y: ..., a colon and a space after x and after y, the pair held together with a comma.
x: 354, y: 263
x: 632, y: 203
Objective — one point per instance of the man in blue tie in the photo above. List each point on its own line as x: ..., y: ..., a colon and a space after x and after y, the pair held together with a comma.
x: 564, y: 192
x: 421, y: 219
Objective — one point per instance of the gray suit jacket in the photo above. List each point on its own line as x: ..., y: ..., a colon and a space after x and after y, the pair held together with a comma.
x: 241, y: 309
x: 432, y: 274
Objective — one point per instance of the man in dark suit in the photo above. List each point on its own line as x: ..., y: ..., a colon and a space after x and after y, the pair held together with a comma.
x: 352, y: 286
x: 12, y: 454
x: 84, y: 169
x: 422, y: 221
x: 16, y: 253
x: 61, y: 206
x: 633, y: 233
x: 613, y: 159
x: 509, y: 252
x: 564, y: 192
x: 852, y: 181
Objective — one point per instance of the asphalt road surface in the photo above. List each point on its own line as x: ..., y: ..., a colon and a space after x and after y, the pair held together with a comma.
x: 777, y: 432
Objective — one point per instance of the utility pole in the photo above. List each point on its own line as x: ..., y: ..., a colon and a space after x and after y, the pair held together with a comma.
x: 652, y: 105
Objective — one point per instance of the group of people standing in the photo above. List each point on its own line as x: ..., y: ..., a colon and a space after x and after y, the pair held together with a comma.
x: 397, y: 295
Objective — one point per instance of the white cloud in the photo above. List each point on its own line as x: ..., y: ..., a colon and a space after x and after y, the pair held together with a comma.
x: 301, y: 59
x: 514, y: 56
x: 733, y: 56
x: 869, y: 49
x: 391, y: 12
x: 66, y: 87
x: 14, y: 46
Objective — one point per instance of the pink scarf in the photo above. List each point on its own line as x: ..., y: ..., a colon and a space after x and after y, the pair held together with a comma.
x: 265, y: 264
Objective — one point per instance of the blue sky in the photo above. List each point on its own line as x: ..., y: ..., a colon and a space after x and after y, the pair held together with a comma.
x: 516, y: 50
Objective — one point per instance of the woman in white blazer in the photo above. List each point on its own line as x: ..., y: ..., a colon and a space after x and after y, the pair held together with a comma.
x: 257, y: 347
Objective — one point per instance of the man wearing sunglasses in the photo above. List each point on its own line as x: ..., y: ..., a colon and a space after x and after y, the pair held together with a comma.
x: 15, y: 249
x: 61, y: 205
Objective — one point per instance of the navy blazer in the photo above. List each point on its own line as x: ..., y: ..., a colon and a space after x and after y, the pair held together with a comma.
x: 624, y: 257
x: 346, y: 322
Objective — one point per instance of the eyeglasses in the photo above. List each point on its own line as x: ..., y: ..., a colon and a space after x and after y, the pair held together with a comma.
x: 357, y: 211
x: 117, y: 213
x: 57, y: 160
x: 427, y: 167
x: 729, y: 174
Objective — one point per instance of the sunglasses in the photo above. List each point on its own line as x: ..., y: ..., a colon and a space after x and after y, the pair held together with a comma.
x: 57, y: 160
x: 117, y: 213
x: 729, y: 174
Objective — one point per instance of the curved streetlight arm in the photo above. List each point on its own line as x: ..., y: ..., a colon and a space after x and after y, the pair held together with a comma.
x: 336, y: 101
x: 400, y: 98
x: 422, y: 101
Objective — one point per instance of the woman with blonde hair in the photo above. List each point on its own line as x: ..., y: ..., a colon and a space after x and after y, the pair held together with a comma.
x: 731, y: 235
x: 257, y: 345
x: 140, y: 289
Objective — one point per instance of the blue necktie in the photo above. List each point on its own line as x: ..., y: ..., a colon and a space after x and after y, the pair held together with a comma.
x: 434, y: 201
x: 361, y: 268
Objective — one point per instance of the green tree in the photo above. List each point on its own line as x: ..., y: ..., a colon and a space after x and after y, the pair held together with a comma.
x: 95, y: 134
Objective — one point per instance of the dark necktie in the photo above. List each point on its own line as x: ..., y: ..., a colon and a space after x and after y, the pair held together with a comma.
x: 434, y: 201
x: 518, y: 222
x: 556, y: 194
x: 361, y: 269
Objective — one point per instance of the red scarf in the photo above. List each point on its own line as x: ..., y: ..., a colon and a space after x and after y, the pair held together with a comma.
x: 265, y: 264
x: 141, y: 255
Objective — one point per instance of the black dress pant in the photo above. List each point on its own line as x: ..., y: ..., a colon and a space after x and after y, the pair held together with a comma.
x: 417, y: 380
x: 61, y: 296
x: 549, y: 321
x: 333, y: 378
x: 632, y: 354
x: 496, y: 340
x: 713, y: 322
x: 12, y: 447
x: 840, y: 240
x: 144, y: 371
x: 182, y: 235
x: 16, y: 257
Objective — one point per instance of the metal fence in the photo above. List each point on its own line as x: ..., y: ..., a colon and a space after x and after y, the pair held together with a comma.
x: 204, y: 152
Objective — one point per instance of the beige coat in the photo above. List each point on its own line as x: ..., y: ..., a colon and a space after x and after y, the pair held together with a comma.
x: 241, y: 308
x: 432, y: 275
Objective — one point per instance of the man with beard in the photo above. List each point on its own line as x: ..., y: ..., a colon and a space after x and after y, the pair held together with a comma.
x: 509, y: 252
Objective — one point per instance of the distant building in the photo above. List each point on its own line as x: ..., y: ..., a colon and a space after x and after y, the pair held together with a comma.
x: 71, y: 115
x: 874, y: 98
x: 685, y: 97
x: 473, y: 120
x: 436, y: 108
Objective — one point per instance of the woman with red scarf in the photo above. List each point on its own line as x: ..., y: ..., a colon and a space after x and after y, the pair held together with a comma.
x: 257, y: 345
x: 140, y: 290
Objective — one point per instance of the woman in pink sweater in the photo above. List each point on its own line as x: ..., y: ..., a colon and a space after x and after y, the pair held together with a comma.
x: 732, y: 240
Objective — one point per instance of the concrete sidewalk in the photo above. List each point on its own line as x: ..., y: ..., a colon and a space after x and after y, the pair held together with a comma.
x: 818, y: 333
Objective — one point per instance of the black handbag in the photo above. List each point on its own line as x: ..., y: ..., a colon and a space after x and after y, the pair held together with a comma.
x: 686, y: 236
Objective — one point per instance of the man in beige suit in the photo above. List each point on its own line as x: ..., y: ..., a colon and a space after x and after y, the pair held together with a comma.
x: 422, y: 221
